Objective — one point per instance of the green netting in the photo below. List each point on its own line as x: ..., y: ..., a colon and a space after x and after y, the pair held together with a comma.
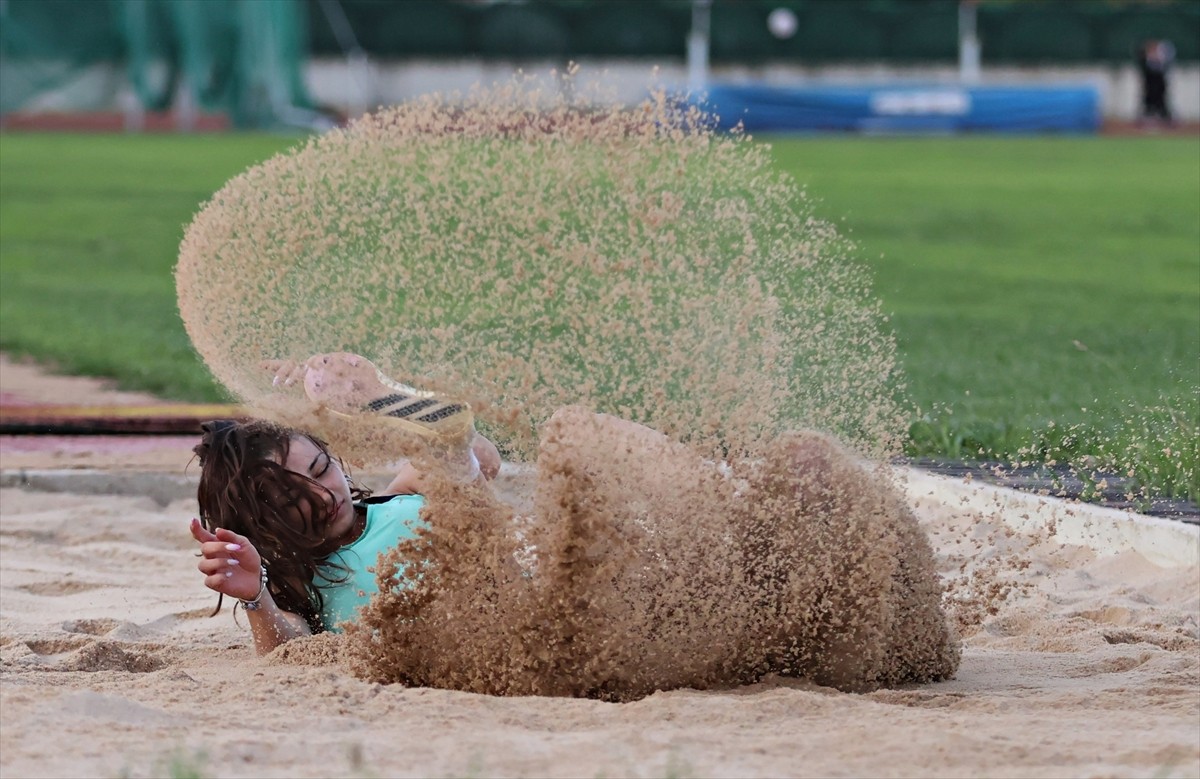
x: 1046, y: 32
x: 739, y: 32
x: 232, y: 56
x: 429, y: 28
x: 38, y: 53
x: 245, y: 57
x: 607, y: 31
x: 511, y: 30
x: 1013, y: 31
x: 925, y: 32
x: 1178, y: 23
x: 846, y: 31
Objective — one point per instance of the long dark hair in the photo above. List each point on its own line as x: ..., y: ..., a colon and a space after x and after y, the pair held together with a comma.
x: 244, y: 487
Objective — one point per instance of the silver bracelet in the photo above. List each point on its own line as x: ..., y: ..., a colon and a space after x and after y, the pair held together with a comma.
x: 255, y: 604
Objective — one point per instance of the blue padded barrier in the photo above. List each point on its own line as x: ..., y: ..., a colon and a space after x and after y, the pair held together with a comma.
x: 907, y: 108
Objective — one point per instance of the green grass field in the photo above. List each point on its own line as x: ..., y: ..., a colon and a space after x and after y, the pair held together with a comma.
x: 1045, y: 292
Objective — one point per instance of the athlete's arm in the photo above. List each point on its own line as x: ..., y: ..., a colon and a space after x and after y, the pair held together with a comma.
x: 232, y: 566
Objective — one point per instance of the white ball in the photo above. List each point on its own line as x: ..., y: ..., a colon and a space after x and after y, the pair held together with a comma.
x: 782, y: 23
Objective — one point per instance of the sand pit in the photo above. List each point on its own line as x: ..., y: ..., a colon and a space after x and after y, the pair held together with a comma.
x: 1078, y: 661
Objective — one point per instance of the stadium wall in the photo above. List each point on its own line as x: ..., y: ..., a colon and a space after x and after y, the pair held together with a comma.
x: 337, y: 84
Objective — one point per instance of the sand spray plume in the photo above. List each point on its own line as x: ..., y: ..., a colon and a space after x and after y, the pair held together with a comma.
x: 656, y: 578
x: 526, y: 250
x: 543, y: 255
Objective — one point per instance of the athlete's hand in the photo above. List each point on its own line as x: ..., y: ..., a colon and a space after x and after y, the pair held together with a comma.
x: 230, y: 563
x: 285, y: 374
x: 342, y: 380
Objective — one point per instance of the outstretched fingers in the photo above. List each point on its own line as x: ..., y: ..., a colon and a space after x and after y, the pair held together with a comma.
x: 230, y: 563
x: 239, y: 548
x: 218, y: 571
x: 199, y: 532
x: 223, y: 566
x: 285, y: 373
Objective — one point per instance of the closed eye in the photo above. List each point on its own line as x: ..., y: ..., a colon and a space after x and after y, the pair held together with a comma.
x: 318, y: 461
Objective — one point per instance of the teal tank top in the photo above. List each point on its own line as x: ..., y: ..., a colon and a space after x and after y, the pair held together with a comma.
x: 389, y: 521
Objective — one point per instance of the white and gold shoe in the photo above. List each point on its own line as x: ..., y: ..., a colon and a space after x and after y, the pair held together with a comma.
x: 351, y: 386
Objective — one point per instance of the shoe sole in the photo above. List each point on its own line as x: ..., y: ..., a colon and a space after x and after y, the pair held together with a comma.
x: 423, y: 413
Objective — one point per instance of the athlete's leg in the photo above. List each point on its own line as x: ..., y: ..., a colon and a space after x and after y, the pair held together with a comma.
x: 624, y: 454
x: 840, y: 569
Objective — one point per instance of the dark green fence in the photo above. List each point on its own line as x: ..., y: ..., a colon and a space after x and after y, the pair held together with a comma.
x: 243, y: 58
x: 1012, y: 31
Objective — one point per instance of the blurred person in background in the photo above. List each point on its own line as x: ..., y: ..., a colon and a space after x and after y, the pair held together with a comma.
x: 1154, y: 63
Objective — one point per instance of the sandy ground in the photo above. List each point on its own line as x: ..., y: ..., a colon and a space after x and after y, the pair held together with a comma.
x: 1078, y: 661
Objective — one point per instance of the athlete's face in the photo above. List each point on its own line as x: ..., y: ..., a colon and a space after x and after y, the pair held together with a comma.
x: 309, y: 460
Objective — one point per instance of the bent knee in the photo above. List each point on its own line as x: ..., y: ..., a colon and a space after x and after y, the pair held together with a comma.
x: 812, y: 452
x: 570, y: 417
x: 566, y: 430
